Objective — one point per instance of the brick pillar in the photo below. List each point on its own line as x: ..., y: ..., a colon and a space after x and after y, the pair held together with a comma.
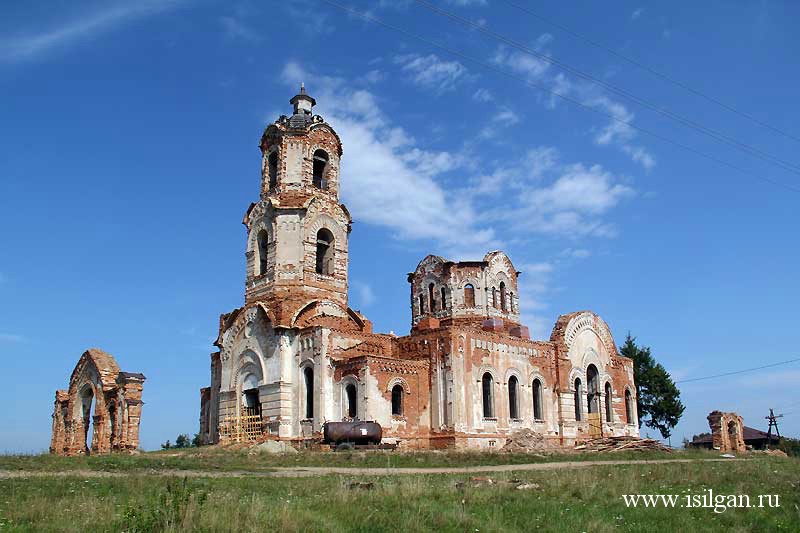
x: 58, y: 438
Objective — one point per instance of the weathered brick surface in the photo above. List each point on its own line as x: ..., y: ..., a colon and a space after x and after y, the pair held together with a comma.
x: 727, y: 432
x: 295, y: 346
x: 100, y: 395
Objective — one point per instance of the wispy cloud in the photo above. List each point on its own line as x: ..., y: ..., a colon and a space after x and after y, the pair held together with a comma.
x: 11, y: 338
x: 30, y: 46
x: 432, y: 72
x: 617, y: 132
x: 364, y: 295
x: 236, y: 28
x: 637, y: 13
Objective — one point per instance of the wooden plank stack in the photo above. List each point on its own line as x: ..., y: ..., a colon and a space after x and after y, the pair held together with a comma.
x: 621, y: 444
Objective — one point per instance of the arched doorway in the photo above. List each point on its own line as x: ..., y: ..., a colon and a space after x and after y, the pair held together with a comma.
x: 87, y: 411
x: 592, y: 390
x: 352, y: 401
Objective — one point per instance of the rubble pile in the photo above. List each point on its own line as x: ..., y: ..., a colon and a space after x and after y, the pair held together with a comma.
x: 622, y: 444
x: 526, y: 440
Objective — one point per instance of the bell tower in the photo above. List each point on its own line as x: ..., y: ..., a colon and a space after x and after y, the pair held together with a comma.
x: 298, y: 230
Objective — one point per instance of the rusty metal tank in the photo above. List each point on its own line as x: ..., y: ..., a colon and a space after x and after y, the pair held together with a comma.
x: 355, y: 432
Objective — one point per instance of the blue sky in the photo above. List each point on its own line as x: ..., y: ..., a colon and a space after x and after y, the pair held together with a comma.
x: 129, y: 156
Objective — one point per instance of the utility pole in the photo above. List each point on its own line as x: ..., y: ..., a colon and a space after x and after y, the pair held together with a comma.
x: 773, y: 421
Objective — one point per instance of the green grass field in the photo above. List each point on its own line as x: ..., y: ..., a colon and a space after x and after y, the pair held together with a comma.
x: 135, y: 497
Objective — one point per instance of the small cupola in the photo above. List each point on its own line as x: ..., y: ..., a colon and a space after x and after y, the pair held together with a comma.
x: 302, y: 102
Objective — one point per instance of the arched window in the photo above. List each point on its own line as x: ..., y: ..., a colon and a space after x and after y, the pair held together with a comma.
x: 469, y: 295
x: 421, y: 304
x: 578, y: 394
x: 488, y: 395
x: 352, y: 401
x: 321, y: 169
x: 273, y: 169
x: 593, y: 389
x: 503, y: 295
x: 325, y: 252
x: 495, y: 301
x: 431, y: 299
x: 513, y: 403
x: 511, y: 301
x: 628, y: 408
x: 443, y: 299
x: 608, y: 402
x: 537, y: 399
x: 308, y: 375
x: 397, y: 400
x: 262, y: 242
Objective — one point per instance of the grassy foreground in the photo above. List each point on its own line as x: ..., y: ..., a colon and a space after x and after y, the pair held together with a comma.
x: 227, y: 459
x: 585, y: 499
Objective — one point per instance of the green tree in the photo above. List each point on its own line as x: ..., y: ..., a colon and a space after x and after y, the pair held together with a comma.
x: 166, y: 446
x: 196, y: 440
x: 182, y: 441
x: 658, y: 400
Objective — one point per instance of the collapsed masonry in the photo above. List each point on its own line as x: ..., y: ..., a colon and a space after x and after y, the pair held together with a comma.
x: 727, y: 432
x: 100, y: 398
x: 468, y: 374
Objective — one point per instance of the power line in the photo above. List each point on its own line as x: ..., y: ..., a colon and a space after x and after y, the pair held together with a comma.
x: 739, y: 371
x: 651, y: 70
x: 705, y: 130
x: 543, y: 88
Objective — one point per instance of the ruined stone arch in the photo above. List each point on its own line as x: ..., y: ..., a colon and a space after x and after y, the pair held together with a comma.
x: 102, y: 397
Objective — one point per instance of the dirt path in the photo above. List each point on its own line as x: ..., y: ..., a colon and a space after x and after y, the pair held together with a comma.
x: 311, y: 471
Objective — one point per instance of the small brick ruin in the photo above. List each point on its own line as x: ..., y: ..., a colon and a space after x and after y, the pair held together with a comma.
x: 727, y: 432
x: 102, y: 398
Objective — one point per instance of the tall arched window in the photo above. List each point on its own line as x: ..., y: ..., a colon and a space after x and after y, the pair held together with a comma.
x: 443, y: 298
x: 320, y: 169
x: 495, y: 301
x: 262, y: 244
x: 397, y: 400
x: 511, y: 301
x: 628, y: 408
x: 308, y: 377
x: 431, y: 298
x: 469, y: 295
x: 513, y: 398
x: 537, y: 399
x: 593, y: 389
x: 325, y: 252
x: 503, y: 295
x: 487, y: 384
x: 421, y: 304
x: 578, y: 394
x: 608, y: 402
x: 273, y: 169
x: 352, y: 401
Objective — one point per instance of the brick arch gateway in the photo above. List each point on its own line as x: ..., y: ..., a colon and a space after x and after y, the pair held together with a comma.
x: 102, y: 399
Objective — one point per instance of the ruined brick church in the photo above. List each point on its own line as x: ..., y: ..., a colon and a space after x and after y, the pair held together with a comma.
x: 468, y: 374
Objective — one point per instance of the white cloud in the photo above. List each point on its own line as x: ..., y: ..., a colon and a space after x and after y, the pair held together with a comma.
x: 26, y: 47
x: 374, y: 76
x: 390, y: 181
x: 637, y: 13
x: 575, y: 253
x: 431, y: 72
